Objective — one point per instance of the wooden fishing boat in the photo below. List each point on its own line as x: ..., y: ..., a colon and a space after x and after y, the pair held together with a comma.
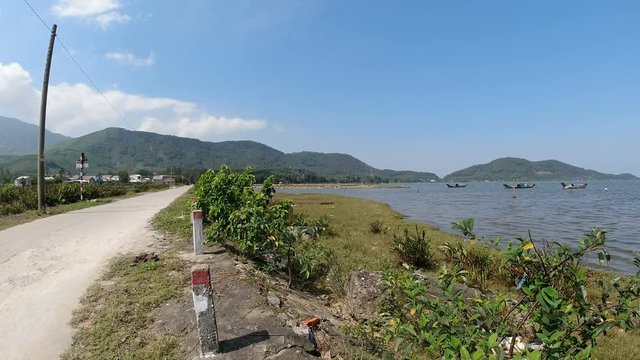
x: 519, y: 186
x: 456, y: 186
x: 573, y: 186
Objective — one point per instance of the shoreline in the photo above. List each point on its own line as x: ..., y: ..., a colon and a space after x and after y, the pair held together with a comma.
x: 339, y: 186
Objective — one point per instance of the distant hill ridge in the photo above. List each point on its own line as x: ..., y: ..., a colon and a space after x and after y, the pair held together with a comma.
x: 18, y: 137
x: 510, y: 168
x: 114, y: 149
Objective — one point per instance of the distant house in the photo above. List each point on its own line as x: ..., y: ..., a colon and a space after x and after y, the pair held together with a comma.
x: 22, y: 181
x: 135, y: 178
x: 89, y: 179
x: 163, y: 179
x: 110, y: 178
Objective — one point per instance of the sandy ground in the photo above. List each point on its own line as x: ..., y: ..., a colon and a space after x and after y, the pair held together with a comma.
x: 46, y: 265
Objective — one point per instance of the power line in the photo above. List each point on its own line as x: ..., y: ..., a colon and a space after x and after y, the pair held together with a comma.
x: 80, y: 67
x: 37, y: 15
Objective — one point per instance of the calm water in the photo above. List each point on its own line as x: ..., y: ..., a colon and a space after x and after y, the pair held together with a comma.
x: 550, y: 212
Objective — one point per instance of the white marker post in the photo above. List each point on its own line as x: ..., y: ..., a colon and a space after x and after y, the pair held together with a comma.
x: 205, y: 312
x: 196, y: 220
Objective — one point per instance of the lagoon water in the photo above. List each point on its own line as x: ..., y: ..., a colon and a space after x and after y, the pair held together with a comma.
x: 550, y: 212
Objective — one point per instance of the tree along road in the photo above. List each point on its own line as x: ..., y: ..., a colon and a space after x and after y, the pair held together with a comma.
x: 47, y: 264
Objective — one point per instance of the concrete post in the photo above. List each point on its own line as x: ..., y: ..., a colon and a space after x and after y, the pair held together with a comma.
x: 196, y: 220
x: 205, y: 311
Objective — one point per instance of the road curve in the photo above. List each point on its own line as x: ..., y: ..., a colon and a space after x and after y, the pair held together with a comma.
x: 47, y: 264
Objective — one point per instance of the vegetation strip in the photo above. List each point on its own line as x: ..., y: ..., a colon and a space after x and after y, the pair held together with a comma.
x: 18, y: 205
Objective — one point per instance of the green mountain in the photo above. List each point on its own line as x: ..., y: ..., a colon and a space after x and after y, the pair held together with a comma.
x: 509, y: 169
x: 114, y: 149
x: 18, y: 138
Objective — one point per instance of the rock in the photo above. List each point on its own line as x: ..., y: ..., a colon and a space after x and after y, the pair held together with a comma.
x: 300, y: 330
x: 519, y: 346
x: 144, y: 257
x: 434, y: 290
x: 274, y: 301
x: 364, y: 291
x: 304, y: 232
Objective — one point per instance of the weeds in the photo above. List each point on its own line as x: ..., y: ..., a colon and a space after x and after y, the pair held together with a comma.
x: 119, y: 311
x: 414, y: 249
x: 552, y: 308
x: 376, y: 227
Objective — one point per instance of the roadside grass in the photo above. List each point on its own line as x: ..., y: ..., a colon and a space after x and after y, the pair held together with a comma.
x: 115, y: 312
x: 175, y: 219
x: 357, y: 245
x: 113, y: 321
x: 8, y: 221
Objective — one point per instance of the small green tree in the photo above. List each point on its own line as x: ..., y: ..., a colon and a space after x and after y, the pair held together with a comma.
x: 123, y: 176
x: 246, y: 219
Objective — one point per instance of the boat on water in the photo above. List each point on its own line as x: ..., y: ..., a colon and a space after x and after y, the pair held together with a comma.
x: 456, y: 186
x: 519, y: 186
x: 573, y: 186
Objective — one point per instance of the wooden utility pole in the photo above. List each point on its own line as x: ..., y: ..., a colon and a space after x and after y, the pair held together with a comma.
x: 43, y: 116
x: 81, y: 164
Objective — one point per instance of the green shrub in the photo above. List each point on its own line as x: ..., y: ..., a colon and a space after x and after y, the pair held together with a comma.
x: 248, y: 221
x: 482, y: 264
x: 414, y: 249
x: 552, y: 303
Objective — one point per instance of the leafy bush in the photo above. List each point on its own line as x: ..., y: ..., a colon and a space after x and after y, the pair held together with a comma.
x: 417, y: 325
x: 482, y: 265
x: 248, y: 221
x: 552, y: 306
x: 414, y: 249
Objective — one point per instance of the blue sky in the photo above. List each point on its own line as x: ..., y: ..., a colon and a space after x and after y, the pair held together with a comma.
x: 420, y: 85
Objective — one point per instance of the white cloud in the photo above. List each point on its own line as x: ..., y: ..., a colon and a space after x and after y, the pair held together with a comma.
x: 205, y: 124
x: 111, y: 17
x: 77, y: 109
x: 103, y: 12
x: 18, y: 98
x: 126, y: 58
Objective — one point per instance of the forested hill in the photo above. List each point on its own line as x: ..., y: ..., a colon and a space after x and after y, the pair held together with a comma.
x: 18, y: 137
x: 114, y: 149
x: 509, y: 169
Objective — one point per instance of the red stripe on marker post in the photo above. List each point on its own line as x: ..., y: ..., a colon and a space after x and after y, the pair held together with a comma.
x: 197, y: 214
x: 200, y: 275
x: 205, y: 312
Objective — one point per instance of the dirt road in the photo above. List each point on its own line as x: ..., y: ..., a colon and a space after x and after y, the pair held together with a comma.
x: 46, y: 265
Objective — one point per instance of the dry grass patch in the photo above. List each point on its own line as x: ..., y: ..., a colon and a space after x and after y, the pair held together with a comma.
x: 113, y: 320
x: 353, y: 243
